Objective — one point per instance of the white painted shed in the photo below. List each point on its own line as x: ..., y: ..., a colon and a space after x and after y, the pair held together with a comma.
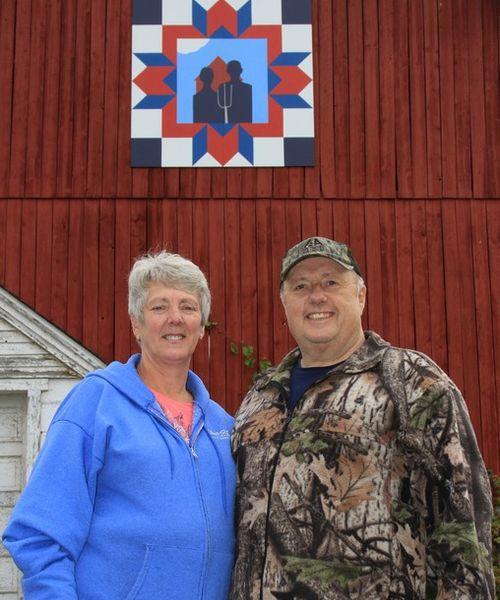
x: 39, y: 364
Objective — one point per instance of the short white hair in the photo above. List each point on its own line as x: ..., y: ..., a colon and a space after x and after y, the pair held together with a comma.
x: 360, y: 283
x: 172, y: 270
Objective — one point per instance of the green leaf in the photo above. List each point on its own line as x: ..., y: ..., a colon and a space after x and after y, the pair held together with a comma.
x: 300, y: 423
x: 462, y: 538
x: 290, y: 448
x: 424, y: 409
x: 264, y: 364
x: 324, y: 571
x: 399, y: 512
x: 247, y: 351
x: 249, y: 361
x: 318, y: 446
x: 233, y: 348
x: 308, y: 442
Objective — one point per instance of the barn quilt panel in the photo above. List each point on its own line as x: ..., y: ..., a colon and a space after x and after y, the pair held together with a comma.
x: 222, y: 83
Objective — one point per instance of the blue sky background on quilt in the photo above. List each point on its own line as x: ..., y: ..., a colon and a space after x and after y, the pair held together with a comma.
x: 251, y: 53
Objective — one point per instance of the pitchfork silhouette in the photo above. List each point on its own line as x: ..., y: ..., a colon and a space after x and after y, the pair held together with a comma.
x: 225, y: 105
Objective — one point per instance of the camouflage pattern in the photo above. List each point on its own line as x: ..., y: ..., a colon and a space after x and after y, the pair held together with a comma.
x: 319, y: 246
x: 374, y: 488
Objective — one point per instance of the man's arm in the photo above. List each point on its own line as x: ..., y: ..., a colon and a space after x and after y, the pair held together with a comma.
x: 456, y: 493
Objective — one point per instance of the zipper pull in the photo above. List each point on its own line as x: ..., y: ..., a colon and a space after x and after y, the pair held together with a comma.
x: 193, y: 452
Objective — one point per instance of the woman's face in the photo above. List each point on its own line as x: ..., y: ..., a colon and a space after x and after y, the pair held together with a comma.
x: 171, y: 325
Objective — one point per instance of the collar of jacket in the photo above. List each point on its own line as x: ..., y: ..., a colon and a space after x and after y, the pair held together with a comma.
x: 364, y: 359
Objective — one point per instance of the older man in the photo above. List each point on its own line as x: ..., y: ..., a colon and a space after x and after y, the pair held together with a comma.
x: 359, y: 471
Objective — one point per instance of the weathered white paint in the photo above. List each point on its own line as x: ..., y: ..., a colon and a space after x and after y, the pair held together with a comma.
x: 49, y: 340
x: 12, y: 476
x: 39, y: 365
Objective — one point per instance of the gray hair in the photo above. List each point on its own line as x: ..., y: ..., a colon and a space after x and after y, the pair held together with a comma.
x: 172, y: 270
x: 359, y: 282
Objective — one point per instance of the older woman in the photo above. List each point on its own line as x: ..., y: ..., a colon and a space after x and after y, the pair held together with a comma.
x: 132, y: 494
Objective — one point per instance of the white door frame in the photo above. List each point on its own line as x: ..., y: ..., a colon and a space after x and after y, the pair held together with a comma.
x: 32, y: 389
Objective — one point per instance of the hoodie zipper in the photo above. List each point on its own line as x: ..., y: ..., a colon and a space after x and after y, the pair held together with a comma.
x: 194, y: 462
x: 161, y: 417
x: 194, y: 436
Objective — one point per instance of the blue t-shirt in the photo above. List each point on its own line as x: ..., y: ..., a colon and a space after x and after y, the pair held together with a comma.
x: 301, y: 378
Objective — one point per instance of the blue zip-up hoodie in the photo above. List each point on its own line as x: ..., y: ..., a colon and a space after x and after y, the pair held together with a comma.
x: 119, y: 506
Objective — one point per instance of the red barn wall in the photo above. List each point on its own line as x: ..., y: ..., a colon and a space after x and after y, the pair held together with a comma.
x: 408, y: 130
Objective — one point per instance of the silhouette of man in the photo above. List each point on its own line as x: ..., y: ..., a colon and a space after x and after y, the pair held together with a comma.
x: 235, y: 97
x: 205, y: 108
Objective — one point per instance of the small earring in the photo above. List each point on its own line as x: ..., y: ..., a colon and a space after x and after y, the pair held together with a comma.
x: 284, y: 323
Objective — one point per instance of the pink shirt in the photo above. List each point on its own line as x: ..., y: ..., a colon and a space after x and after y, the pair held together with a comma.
x: 180, y: 414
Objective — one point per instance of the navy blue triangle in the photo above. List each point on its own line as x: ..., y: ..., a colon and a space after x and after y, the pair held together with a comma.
x: 171, y: 80
x: 222, y: 128
x: 245, y: 144
x: 222, y: 32
x: 199, y: 18
x: 244, y: 17
x: 272, y: 79
x: 154, y: 59
x: 154, y: 101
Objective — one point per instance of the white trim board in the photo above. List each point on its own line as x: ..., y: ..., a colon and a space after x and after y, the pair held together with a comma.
x: 54, y: 341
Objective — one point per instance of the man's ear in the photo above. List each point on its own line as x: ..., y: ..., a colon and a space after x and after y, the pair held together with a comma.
x: 362, y: 298
x: 282, y: 294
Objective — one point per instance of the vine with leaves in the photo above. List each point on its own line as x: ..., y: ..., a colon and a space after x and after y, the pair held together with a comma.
x: 247, y: 352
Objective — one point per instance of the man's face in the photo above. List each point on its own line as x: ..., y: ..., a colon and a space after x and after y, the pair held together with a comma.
x: 323, y: 308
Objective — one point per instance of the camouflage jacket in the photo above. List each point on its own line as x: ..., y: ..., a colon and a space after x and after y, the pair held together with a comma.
x: 373, y: 488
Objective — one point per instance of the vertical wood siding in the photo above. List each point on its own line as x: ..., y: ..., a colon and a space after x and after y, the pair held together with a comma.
x: 413, y: 86
x: 431, y: 267
x: 408, y: 130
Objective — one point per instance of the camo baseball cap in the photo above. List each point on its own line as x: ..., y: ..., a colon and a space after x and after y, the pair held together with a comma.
x: 319, y: 246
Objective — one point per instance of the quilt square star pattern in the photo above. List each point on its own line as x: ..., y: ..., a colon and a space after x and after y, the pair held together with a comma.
x: 222, y: 83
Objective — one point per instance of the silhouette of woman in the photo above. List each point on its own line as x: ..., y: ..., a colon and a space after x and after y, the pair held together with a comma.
x: 205, y: 109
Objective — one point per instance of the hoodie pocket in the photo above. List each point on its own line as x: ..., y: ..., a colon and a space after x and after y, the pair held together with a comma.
x: 168, y: 572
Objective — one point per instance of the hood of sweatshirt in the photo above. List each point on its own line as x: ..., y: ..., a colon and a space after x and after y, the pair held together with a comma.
x: 126, y: 379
